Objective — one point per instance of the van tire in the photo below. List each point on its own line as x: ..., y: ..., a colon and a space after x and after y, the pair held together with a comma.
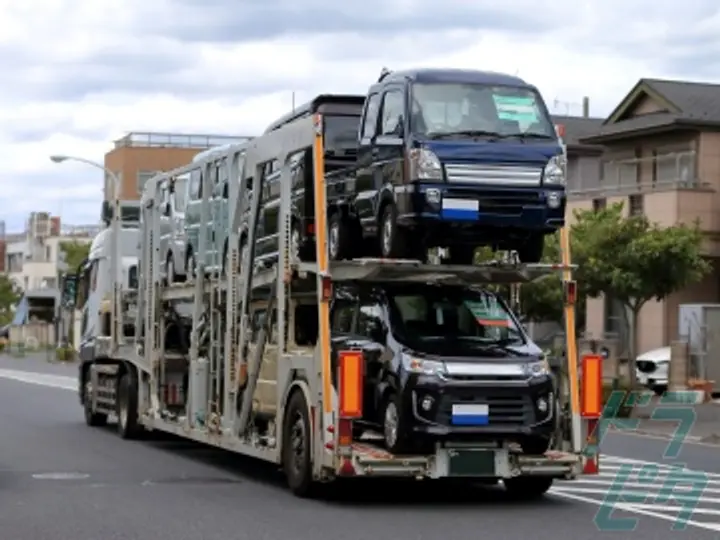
x: 297, y: 436
x: 391, y: 408
x: 339, y: 248
x: 390, y: 237
x: 532, y: 250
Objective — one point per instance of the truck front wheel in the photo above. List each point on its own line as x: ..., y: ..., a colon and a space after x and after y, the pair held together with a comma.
x: 127, y: 408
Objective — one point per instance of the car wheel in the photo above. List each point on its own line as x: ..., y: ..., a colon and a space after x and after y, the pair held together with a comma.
x: 392, y: 243
x: 393, y: 426
x: 532, y: 250
x: 338, y: 238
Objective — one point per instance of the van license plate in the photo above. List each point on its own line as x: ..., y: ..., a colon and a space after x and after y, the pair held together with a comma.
x: 479, y: 463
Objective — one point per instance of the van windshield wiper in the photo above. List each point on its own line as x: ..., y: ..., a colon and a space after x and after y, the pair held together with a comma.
x: 544, y: 136
x: 504, y: 346
x: 465, y: 132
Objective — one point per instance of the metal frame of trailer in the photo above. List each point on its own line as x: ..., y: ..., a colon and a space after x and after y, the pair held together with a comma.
x: 220, y: 308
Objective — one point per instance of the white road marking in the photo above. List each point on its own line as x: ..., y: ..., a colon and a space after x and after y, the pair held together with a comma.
x: 660, y: 495
x: 42, y: 379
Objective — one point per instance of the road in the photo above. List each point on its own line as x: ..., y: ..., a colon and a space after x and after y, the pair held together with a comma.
x: 61, y: 480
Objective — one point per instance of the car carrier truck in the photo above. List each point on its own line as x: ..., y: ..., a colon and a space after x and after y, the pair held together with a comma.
x: 248, y: 360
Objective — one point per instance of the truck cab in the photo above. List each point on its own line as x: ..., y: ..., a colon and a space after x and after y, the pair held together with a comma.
x: 457, y: 159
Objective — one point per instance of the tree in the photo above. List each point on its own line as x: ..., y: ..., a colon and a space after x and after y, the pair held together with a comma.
x: 10, y: 294
x: 634, y: 261
x: 75, y: 253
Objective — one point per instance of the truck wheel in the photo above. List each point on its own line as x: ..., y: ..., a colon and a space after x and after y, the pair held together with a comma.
x: 532, y: 250
x: 297, y: 447
x: 527, y: 487
x: 92, y: 419
x: 338, y: 238
x: 127, y: 408
x: 392, y: 243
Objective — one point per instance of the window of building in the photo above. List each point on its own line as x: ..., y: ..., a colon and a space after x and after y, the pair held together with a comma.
x: 613, y: 316
x: 599, y: 204
x: 142, y: 179
x: 392, y: 113
x: 635, y: 203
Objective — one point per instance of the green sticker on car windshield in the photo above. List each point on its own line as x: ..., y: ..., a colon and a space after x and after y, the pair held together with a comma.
x: 518, y: 108
x: 488, y: 315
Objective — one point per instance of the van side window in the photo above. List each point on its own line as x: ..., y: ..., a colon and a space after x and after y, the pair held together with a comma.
x: 195, y: 189
x: 392, y: 113
x: 369, y: 128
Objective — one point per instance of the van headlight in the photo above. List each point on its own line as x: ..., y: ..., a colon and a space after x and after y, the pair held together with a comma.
x: 424, y: 165
x: 554, y: 172
x: 537, y: 369
x: 423, y: 367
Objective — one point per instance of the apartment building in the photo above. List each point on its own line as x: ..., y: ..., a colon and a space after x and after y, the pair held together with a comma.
x: 138, y: 156
x: 659, y: 153
x: 32, y: 258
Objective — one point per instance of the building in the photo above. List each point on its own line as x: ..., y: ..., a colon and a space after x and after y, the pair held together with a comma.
x: 138, y: 156
x: 32, y: 258
x: 661, y: 157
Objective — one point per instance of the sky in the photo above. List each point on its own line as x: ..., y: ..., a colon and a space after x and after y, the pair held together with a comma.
x: 78, y: 74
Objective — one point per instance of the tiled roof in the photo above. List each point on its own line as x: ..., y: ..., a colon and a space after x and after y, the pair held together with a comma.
x: 578, y: 127
x: 692, y: 104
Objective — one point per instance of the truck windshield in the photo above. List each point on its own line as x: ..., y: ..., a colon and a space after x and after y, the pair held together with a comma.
x: 451, y: 108
x: 452, y: 317
x: 341, y: 132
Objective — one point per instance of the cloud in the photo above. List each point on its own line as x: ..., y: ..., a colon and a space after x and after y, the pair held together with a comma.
x: 79, y: 74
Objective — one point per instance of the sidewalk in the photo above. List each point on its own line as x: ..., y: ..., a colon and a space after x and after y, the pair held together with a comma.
x: 705, y: 420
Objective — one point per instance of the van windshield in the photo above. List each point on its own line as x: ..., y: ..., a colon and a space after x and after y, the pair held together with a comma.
x: 453, y: 108
x: 341, y: 132
x: 426, y: 318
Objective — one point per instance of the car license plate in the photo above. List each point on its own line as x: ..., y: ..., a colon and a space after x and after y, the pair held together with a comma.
x: 460, y: 209
x: 470, y: 415
x: 479, y: 463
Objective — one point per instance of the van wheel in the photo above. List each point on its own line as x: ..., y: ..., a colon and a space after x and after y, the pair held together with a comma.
x: 92, y: 419
x: 127, y: 408
x: 392, y: 241
x: 527, y: 487
x: 297, y: 447
x: 393, y: 426
x: 338, y: 238
x: 532, y: 250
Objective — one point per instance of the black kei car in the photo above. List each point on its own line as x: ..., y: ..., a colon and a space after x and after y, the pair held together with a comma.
x: 445, y: 362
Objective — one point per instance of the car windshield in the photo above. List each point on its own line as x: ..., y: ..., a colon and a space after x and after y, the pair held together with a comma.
x: 341, y: 132
x: 426, y: 318
x: 443, y: 109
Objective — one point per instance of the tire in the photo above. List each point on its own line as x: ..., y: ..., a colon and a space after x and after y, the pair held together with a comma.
x: 461, y: 255
x: 390, y: 237
x: 527, y: 487
x: 532, y: 250
x: 92, y: 419
x: 338, y: 238
x: 127, y: 408
x: 394, y: 437
x: 297, y: 447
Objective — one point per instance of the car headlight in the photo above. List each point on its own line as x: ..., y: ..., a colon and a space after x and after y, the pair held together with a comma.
x: 554, y: 172
x: 538, y: 369
x: 425, y: 165
x: 424, y: 367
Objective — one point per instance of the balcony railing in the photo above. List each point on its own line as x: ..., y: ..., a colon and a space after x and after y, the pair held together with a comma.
x: 176, y: 140
x: 664, y: 172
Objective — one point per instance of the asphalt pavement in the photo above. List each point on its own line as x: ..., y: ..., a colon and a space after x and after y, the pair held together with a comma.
x: 61, y: 480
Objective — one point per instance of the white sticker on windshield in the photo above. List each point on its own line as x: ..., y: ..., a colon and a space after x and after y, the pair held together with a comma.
x: 519, y: 109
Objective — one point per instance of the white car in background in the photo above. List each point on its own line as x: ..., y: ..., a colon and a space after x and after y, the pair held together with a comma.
x: 651, y: 369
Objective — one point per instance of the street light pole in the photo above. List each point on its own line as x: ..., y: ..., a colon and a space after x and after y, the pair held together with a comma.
x: 116, y: 259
